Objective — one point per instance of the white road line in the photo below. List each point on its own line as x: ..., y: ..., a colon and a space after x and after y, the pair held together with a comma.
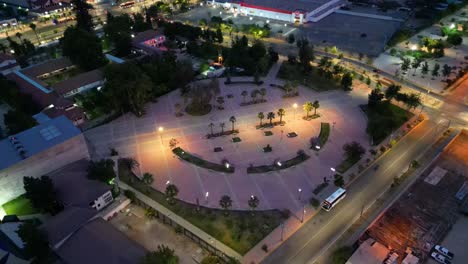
x: 290, y: 31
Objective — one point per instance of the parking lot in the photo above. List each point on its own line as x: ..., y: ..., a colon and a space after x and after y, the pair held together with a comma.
x: 456, y: 241
x: 151, y: 233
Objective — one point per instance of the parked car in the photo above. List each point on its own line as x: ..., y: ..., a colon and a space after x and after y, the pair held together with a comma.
x: 440, y: 258
x: 444, y: 251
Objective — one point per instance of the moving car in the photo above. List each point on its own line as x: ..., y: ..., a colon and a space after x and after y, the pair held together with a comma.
x: 439, y: 258
x: 444, y: 251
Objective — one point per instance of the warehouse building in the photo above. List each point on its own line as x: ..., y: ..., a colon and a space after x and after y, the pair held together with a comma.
x: 293, y: 11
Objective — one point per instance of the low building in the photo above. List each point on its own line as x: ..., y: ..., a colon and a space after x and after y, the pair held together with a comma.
x: 52, y: 83
x: 370, y: 252
x: 284, y: 10
x: 38, y: 151
x: 8, y: 64
x: 91, y: 194
x: 40, y: 7
x: 150, y: 41
x: 78, y: 235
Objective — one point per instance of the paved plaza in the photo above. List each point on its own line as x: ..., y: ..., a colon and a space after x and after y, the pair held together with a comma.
x: 139, y: 138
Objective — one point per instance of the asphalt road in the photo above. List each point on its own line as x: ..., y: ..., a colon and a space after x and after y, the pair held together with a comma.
x: 326, y: 227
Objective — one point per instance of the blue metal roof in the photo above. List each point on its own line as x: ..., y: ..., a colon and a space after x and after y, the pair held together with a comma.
x: 37, y: 139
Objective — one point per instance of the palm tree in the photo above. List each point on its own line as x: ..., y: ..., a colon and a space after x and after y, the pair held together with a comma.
x: 244, y: 94
x: 308, y: 107
x: 253, y: 94
x: 315, y: 105
x: 211, y: 125
x: 222, y: 125
x: 270, y: 116
x: 225, y: 202
x: 262, y: 93
x: 260, y: 116
x: 392, y: 91
x: 130, y: 163
x: 171, y: 192
x: 424, y: 69
x: 287, y: 88
x: 281, y: 113
x: 253, y: 202
x: 33, y: 27
x: 148, y: 178
x: 232, y: 119
x: 19, y: 35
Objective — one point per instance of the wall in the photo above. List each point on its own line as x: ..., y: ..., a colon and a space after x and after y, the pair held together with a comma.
x: 11, y: 179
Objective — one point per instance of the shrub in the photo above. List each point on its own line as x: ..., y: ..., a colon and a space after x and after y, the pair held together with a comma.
x: 314, y: 202
x: 265, y: 247
x: 130, y: 195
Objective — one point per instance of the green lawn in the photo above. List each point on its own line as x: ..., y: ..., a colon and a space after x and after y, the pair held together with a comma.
x: 383, y: 119
x: 324, y: 133
x: 240, y: 230
x: 293, y: 72
x: 19, y: 206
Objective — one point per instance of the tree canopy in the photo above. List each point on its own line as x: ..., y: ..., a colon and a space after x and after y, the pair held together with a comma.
x: 42, y: 194
x: 83, y: 48
x: 102, y: 170
x: 84, y: 20
x: 36, y: 245
x: 163, y: 255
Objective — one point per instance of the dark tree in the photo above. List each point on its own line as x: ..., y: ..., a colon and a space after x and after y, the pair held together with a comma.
x: 375, y: 97
x: 163, y: 255
x: 353, y: 150
x: 225, y: 202
x: 17, y: 121
x: 392, y: 92
x: 84, y: 20
x: 347, y: 81
x: 102, y: 170
x: 42, y: 194
x: 36, y: 244
x: 291, y: 38
x: 83, y: 48
x: 306, y: 54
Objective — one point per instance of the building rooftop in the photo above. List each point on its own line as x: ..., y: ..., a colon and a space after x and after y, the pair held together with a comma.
x: 47, y: 67
x: 37, y: 139
x: 369, y: 252
x: 75, y: 174
x: 145, y: 35
x: 99, y: 242
x: 78, y: 81
x: 283, y: 5
x: 65, y: 223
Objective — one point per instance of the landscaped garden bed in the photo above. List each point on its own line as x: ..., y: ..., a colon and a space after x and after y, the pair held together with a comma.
x: 318, y: 143
x: 239, y: 230
x: 259, y: 101
x: 236, y: 139
x: 220, y: 134
x: 201, y: 162
x: 279, y: 165
x: 270, y: 125
x: 311, y: 117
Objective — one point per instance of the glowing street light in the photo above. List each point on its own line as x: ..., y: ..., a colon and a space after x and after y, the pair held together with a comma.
x: 452, y: 26
x: 300, y: 192
x: 414, y: 47
x: 295, y: 109
x: 332, y: 169
x: 279, y: 163
x: 250, y: 18
x: 168, y: 182
x: 317, y: 147
x: 206, y: 196
x: 161, y: 130
x: 227, y: 165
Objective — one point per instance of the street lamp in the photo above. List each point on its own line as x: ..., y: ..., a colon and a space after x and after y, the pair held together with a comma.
x: 168, y: 182
x: 206, y: 196
x: 295, y: 108
x: 161, y: 130
x: 303, y: 213
x: 300, y: 192
x: 332, y: 169
x: 414, y: 47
